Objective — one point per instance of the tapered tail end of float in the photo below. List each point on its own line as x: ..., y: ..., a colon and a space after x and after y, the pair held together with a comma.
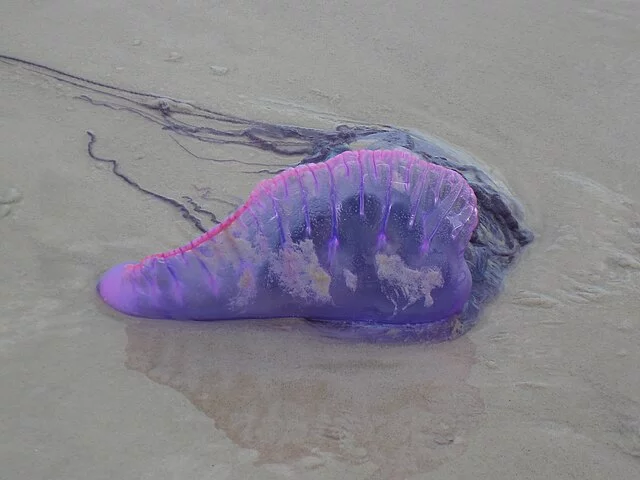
x: 117, y: 291
x: 133, y: 291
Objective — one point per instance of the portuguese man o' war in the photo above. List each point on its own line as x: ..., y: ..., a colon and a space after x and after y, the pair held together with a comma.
x: 371, y: 237
x: 379, y: 233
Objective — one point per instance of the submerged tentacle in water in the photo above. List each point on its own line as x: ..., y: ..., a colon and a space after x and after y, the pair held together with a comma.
x: 494, y: 245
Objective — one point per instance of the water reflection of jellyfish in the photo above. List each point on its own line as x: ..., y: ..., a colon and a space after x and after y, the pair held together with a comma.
x: 311, y: 407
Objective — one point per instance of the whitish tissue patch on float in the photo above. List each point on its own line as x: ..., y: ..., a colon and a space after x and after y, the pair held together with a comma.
x: 401, y: 282
x: 247, y: 288
x: 299, y: 273
x: 350, y: 279
x: 399, y: 179
x: 247, y: 260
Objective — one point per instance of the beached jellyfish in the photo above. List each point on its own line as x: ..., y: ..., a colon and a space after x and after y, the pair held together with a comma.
x: 388, y: 242
x: 378, y: 233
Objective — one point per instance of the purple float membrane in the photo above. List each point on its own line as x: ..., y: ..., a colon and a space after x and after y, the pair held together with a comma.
x: 367, y: 238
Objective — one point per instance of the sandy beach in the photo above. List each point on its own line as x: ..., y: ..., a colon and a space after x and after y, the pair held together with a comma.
x: 545, y: 386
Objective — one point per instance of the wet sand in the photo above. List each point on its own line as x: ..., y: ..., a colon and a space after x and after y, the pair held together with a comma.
x: 545, y: 386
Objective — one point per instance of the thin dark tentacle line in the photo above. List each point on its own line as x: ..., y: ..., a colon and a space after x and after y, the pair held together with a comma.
x: 225, y: 160
x: 115, y: 169
x: 65, y: 76
x: 259, y: 134
x: 168, y: 122
x: 199, y: 209
x: 207, y: 196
